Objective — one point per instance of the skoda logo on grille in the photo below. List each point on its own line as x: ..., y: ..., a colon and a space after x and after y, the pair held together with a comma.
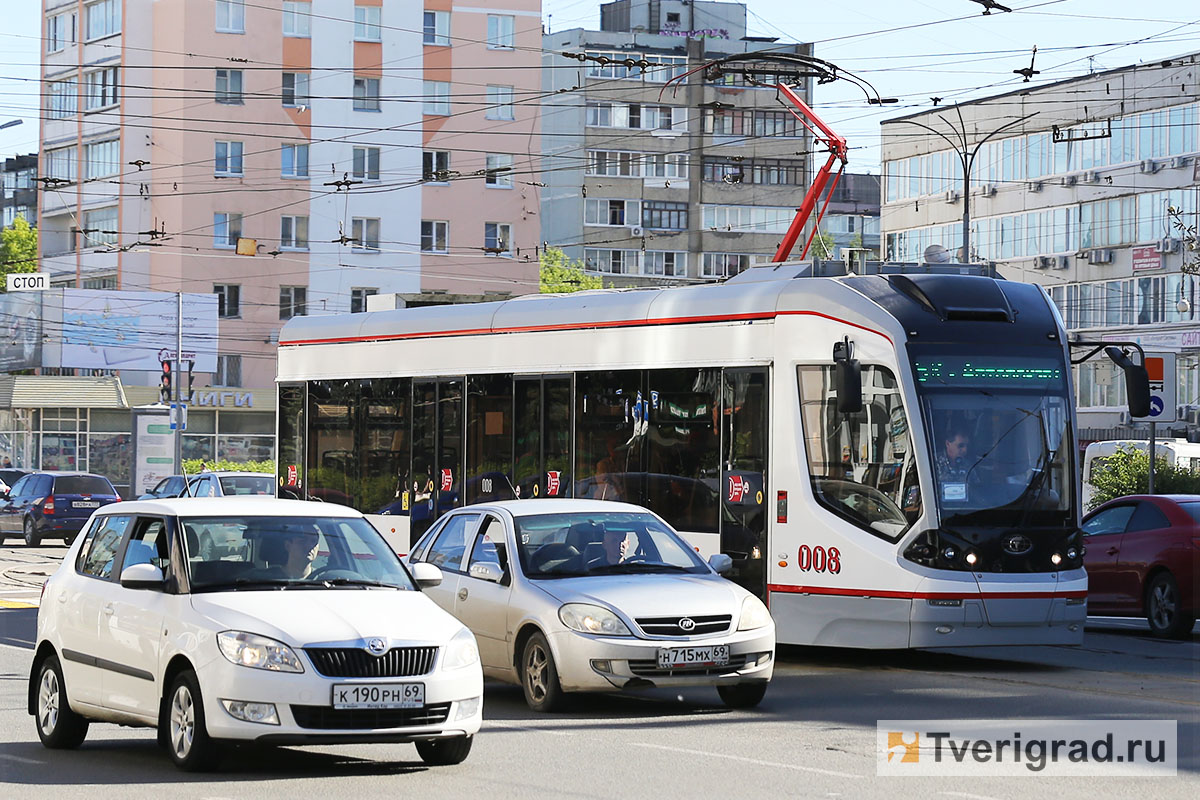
x: 1018, y: 545
x: 687, y: 624
x: 376, y: 647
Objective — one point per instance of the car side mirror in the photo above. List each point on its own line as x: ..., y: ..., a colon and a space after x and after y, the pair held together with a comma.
x: 426, y: 575
x: 720, y: 563
x: 3, y: 494
x: 486, y: 571
x: 142, y: 576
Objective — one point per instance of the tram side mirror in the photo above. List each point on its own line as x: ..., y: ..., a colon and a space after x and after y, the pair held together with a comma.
x: 1137, y: 382
x: 847, y: 378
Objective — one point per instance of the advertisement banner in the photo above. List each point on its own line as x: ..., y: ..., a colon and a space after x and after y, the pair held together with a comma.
x: 20, y: 331
x: 153, y: 450
x: 136, y: 330
x: 1146, y: 258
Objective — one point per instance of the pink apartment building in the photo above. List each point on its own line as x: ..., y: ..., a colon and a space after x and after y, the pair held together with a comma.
x: 354, y: 147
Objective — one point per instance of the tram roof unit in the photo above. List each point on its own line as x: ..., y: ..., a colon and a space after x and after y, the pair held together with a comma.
x: 926, y: 297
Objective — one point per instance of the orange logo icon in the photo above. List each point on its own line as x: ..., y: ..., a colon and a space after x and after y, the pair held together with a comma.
x: 898, y: 745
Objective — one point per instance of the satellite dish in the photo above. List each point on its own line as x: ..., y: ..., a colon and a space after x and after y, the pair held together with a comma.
x: 936, y: 254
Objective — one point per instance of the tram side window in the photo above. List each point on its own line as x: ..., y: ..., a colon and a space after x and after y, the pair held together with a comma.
x: 333, y: 470
x: 683, y: 447
x: 862, y: 466
x: 610, y: 414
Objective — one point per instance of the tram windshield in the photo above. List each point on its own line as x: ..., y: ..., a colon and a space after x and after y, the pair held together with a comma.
x: 999, y: 431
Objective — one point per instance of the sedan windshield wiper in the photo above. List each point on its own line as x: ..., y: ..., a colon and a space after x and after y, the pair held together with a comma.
x: 358, y: 582
x: 637, y: 566
x: 244, y: 583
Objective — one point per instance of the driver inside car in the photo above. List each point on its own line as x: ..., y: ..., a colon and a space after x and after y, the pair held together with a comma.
x: 301, y: 550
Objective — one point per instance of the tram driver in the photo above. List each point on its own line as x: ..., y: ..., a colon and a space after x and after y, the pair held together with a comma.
x: 952, y: 464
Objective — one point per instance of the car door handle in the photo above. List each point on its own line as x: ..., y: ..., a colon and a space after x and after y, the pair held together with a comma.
x: 462, y: 593
x: 108, y: 610
x: 1112, y: 551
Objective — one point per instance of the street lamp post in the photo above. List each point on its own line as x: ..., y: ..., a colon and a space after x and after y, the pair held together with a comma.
x: 966, y: 156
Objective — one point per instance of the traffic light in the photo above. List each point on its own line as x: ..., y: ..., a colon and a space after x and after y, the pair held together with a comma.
x: 191, y: 375
x: 164, y: 385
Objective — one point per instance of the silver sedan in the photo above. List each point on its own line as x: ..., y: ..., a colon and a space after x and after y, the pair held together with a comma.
x: 592, y: 596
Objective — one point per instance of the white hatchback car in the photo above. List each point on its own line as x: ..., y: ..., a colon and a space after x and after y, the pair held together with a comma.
x: 310, y: 632
x: 590, y: 595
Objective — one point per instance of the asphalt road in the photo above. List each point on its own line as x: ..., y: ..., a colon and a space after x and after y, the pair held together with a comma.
x: 813, y: 736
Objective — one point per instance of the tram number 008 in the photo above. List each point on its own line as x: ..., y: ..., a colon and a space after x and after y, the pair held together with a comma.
x: 819, y: 559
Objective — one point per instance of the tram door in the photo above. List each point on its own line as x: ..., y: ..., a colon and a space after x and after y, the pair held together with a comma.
x: 542, y: 436
x: 437, y: 453
x: 744, y: 476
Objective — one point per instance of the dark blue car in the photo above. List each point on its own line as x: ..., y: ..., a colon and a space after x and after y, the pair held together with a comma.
x: 52, y: 505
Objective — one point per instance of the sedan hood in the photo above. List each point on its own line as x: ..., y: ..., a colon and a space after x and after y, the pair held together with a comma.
x: 651, y: 595
x: 307, y: 617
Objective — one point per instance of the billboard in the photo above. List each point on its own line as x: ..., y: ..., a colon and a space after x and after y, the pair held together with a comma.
x: 20, y: 331
x: 136, y: 330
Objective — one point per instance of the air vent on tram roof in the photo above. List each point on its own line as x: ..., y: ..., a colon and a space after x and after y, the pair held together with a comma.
x: 956, y: 297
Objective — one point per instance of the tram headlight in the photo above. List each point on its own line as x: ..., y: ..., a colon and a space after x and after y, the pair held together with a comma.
x: 1072, y: 553
x: 949, y: 553
x: 972, y: 558
x: 1056, y: 559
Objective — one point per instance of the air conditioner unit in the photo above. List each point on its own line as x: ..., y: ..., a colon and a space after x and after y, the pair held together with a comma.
x: 1166, y: 245
x: 1193, y: 416
x: 987, y: 190
x: 1070, y: 180
x: 636, y: 231
x: 1034, y: 186
x: 1061, y: 262
x: 1091, y: 176
x: 1179, y: 162
x: 952, y: 196
x: 1043, y: 262
x: 1100, y: 256
x: 1149, y: 166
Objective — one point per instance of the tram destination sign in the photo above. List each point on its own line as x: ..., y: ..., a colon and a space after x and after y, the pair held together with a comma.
x: 988, y: 371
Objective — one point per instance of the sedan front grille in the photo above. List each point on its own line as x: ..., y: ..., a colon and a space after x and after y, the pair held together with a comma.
x: 649, y: 668
x: 669, y: 626
x: 361, y: 719
x: 354, y: 662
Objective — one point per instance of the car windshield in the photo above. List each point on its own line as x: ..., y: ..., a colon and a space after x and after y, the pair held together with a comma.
x: 270, y: 552
x: 248, y: 484
x: 82, y: 484
x: 999, y: 430
x: 596, y: 543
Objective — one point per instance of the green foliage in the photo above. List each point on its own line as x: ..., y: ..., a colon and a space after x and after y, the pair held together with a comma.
x: 823, y: 245
x: 558, y: 274
x: 18, y: 249
x: 1127, y: 471
x: 191, y: 466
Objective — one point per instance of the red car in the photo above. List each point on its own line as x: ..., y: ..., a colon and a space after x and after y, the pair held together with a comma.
x: 1143, y: 558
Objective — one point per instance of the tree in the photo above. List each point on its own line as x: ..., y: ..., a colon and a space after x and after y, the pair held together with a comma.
x: 823, y: 245
x: 559, y: 274
x: 18, y: 249
x: 1127, y: 471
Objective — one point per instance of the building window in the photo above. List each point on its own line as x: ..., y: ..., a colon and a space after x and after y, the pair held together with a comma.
x: 437, y: 28
x: 229, y: 86
x: 293, y: 233
x: 434, y: 236
x: 500, y: 31
x: 437, y: 98
x: 435, y: 166
x: 295, y: 89
x: 292, y: 301
x: 60, y: 31
x: 228, y: 159
x: 231, y: 16
x: 366, y: 94
x: 294, y: 161
x: 99, y: 283
x: 229, y: 371
x: 365, y: 233
x: 101, y: 88
x: 358, y: 299
x: 664, y: 215
x: 500, y: 102
x: 498, y: 172
x: 297, y: 19
x: 227, y: 229
x: 229, y: 300
x: 614, y: 163
x: 366, y: 23
x: 103, y: 18
x: 63, y: 99
x: 60, y: 164
x: 497, y: 239
x: 611, y: 212
x: 665, y: 262
x: 103, y: 159
x: 100, y: 227
x: 366, y: 163
x: 617, y: 262
x: 723, y: 265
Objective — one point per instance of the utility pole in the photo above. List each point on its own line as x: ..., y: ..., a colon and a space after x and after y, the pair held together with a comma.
x: 966, y: 156
x: 178, y: 381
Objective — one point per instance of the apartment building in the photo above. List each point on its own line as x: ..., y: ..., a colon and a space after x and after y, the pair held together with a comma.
x: 1071, y: 187
x: 647, y: 183
x: 851, y: 219
x: 290, y: 157
x: 19, y: 190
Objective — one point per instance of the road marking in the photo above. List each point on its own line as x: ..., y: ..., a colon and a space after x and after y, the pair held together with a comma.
x: 968, y: 795
x: 15, y: 604
x: 23, y: 760
x: 745, y: 760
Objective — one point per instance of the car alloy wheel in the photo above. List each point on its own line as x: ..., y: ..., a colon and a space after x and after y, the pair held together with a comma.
x: 32, y: 539
x: 187, y: 739
x: 1164, y: 609
x: 49, y: 698
x: 183, y: 722
x: 539, y: 675
x: 58, y: 726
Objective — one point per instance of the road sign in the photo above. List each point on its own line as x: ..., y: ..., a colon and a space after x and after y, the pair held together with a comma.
x: 28, y: 281
x: 178, y: 416
x: 1160, y: 367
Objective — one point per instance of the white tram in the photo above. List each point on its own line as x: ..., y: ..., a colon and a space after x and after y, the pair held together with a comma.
x: 888, y: 458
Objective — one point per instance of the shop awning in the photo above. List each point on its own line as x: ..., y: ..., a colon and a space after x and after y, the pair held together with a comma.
x: 59, y: 391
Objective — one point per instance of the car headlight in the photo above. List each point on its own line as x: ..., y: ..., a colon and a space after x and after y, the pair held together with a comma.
x: 259, y: 652
x: 462, y: 651
x: 587, y: 618
x: 754, y: 614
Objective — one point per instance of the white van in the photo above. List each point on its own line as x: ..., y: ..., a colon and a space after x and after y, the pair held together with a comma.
x: 1179, y: 452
